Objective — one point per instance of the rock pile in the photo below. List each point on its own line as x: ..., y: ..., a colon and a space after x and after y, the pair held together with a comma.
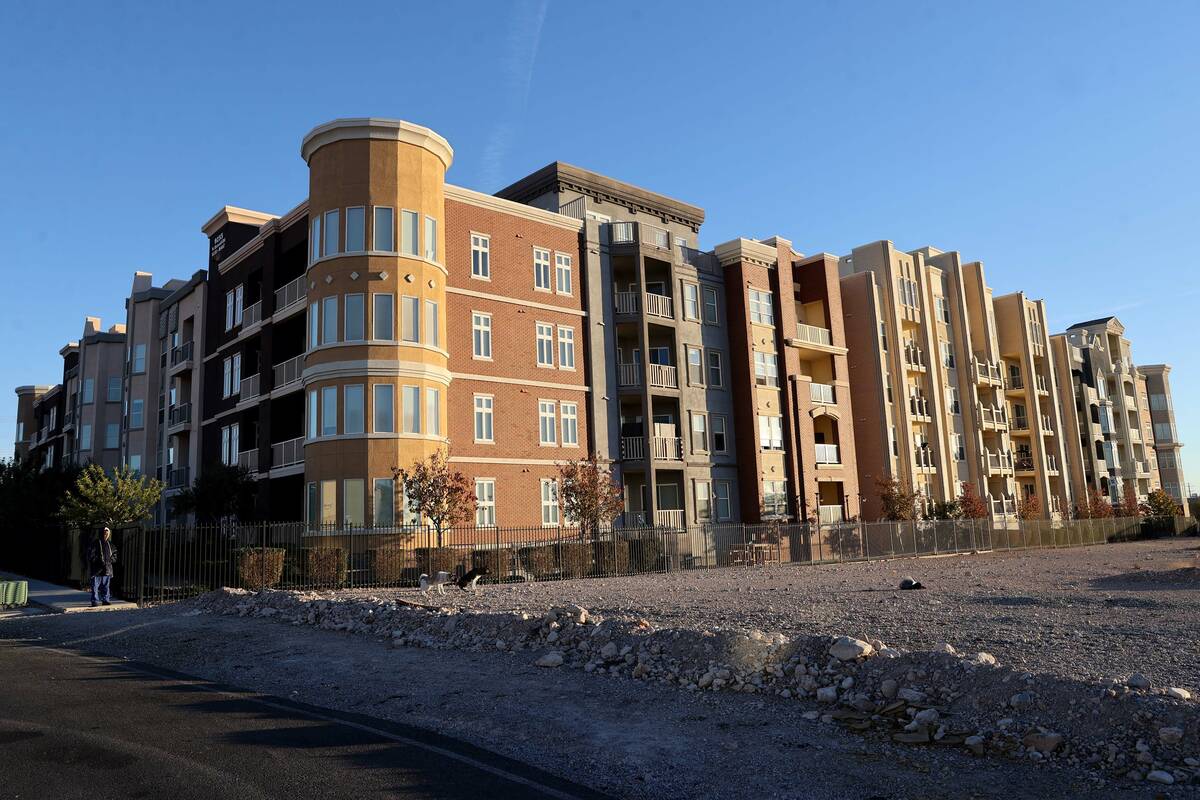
x: 1124, y: 729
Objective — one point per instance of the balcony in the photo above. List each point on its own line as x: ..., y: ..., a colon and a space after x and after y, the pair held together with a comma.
x: 992, y: 418
x: 997, y: 463
x: 181, y: 356
x: 622, y: 233
x: 248, y: 459
x: 629, y: 374
x: 669, y: 518
x: 821, y: 393
x: 664, y: 376
x: 1051, y: 465
x: 179, y: 415
x: 285, y: 454
x: 288, y: 372
x: 811, y: 334
x: 830, y: 515
x: 1043, y: 388
x: 289, y: 294
x: 987, y: 373
x: 633, y: 448
x: 1002, y: 506
x: 1020, y: 423
x: 914, y: 358
x: 660, y: 305
x: 919, y: 408
x: 249, y: 388
x: 633, y: 232
x: 178, y: 478
x: 1047, y: 428
x: 923, y: 458
x: 828, y: 454
x: 1014, y: 383
x: 1024, y: 463
x: 1143, y: 467
x: 666, y: 448
x: 252, y: 315
x: 627, y: 302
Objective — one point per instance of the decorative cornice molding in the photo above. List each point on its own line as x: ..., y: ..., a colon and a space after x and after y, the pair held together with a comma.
x: 392, y: 130
x: 499, y: 204
x: 747, y: 250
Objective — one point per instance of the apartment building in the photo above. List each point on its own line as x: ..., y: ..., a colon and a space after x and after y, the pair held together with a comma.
x: 1110, y: 448
x: 661, y: 405
x: 791, y: 383
x: 1161, y: 414
x: 178, y: 393
x: 1032, y: 394
x: 28, y: 432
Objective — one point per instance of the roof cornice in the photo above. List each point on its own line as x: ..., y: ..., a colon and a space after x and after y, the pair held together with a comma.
x: 391, y: 130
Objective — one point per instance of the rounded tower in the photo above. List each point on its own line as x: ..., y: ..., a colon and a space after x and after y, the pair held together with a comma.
x: 376, y: 371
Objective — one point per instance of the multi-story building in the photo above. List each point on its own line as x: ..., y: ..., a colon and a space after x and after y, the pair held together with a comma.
x: 28, y: 428
x: 142, y: 379
x: 177, y: 395
x: 1161, y: 412
x: 95, y: 387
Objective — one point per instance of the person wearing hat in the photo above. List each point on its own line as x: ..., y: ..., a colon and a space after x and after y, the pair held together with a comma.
x: 101, y: 557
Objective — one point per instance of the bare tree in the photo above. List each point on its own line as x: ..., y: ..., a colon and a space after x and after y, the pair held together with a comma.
x: 588, y: 493
x: 442, y: 495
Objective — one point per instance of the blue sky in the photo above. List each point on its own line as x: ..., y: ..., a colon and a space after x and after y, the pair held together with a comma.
x: 1055, y: 142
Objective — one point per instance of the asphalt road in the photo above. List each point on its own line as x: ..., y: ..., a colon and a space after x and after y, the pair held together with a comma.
x: 77, y: 726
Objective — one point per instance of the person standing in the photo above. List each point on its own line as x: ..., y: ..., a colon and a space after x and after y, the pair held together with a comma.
x: 101, y: 557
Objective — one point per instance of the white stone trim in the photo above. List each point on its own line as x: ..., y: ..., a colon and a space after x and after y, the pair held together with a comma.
x: 500, y: 205
x: 567, y: 387
x: 575, y: 312
x: 392, y: 130
x: 376, y: 368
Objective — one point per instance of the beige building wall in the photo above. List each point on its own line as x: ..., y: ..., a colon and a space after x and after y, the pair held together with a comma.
x: 99, y: 397
x: 27, y: 423
x: 1160, y: 410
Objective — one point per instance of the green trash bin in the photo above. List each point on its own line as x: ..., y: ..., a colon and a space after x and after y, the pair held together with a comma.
x: 13, y: 593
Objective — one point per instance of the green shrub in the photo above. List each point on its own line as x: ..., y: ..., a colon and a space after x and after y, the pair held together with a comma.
x: 325, y: 566
x: 259, y: 568
x: 387, y: 564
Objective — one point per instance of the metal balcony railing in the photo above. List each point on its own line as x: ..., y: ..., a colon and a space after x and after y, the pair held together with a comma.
x: 1024, y: 463
x: 919, y: 407
x: 1042, y: 386
x: 1014, y: 383
x: 1047, y: 428
x: 181, y: 353
x: 621, y: 233
x: 923, y: 458
x: 629, y: 374
x: 666, y: 448
x: 179, y: 415
x: 288, y: 372
x: 987, y: 372
x: 287, y: 453
x: 289, y: 294
x: 998, y: 462
x: 993, y: 418
x: 249, y: 389
x: 178, y: 478
x: 821, y: 393
x: 248, y: 459
x: 914, y: 357
x: 252, y: 314
x: 669, y: 518
x: 633, y: 448
x: 830, y: 515
x: 813, y: 334
x: 1020, y: 423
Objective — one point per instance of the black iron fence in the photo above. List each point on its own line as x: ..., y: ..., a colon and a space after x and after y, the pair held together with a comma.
x: 164, y: 564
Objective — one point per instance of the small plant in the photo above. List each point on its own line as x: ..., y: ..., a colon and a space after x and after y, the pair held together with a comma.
x: 259, y: 568
x: 325, y: 566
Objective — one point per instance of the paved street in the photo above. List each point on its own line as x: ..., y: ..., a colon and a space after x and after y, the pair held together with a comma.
x: 73, y: 726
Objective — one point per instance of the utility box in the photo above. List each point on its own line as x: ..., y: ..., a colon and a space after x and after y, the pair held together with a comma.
x: 13, y: 593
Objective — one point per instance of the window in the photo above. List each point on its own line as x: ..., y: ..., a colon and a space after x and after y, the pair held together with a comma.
x: 702, y: 492
x: 353, y: 500
x: 549, y: 501
x: 112, y: 435
x: 569, y: 415
x: 766, y: 369
x: 139, y: 358
x: 411, y: 396
x: 711, y: 316
x: 382, y: 320
x: 433, y: 411
x: 484, y: 403
x: 770, y: 432
x: 113, y: 395
x: 481, y: 335
x: 431, y: 251
x: 895, y: 441
x: 313, y: 419
x: 332, y: 243
x: 948, y: 355
x: 1164, y: 432
x: 236, y: 367
x: 699, y: 432
x: 229, y: 310
x: 485, y: 502
x: 695, y: 366
x: 541, y: 269
x: 383, y: 501
x: 227, y: 377
x: 329, y: 411
x: 137, y: 414
x: 356, y: 323
x: 1158, y: 402
x: 410, y: 319
x: 724, y: 507
x: 953, y: 399
x: 85, y: 436
x: 230, y: 447
x: 566, y: 347
x: 546, y: 422
x: 354, y: 415
x: 328, y: 502
x: 383, y: 408
x: 431, y: 323
x: 89, y: 389
x: 762, y: 309
x: 883, y: 336
x: 719, y: 442
x: 385, y: 230
x: 960, y: 447
x: 329, y: 320
x: 691, y: 301
x: 480, y: 256
x: 135, y: 463
x: 716, y: 375
x: 774, y: 498
x: 314, y: 240
x: 409, y: 234
x: 943, y: 309
x: 314, y: 326
x: 356, y: 229
x: 562, y: 272
x: 908, y: 291
x: 545, y: 345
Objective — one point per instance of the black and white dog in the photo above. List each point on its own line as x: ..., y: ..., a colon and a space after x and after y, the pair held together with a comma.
x: 439, y: 581
x: 467, y: 582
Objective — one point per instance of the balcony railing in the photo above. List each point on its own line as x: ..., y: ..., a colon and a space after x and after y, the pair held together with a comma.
x: 1047, y: 428
x: 179, y: 415
x: 181, y: 354
x: 178, y: 478
x: 629, y: 374
x: 621, y: 233
x: 1042, y: 386
x: 252, y: 314
x: 813, y: 334
x: 914, y: 357
x: 1014, y: 383
x: 1051, y: 465
x: 249, y: 389
x: 655, y: 236
x: 923, y: 458
x: 628, y: 302
x: 669, y: 518
x: 289, y: 371
x: 666, y: 448
x: 821, y: 393
x: 1020, y: 423
x: 1024, y: 464
x: 289, y: 294
x: 248, y: 459
x: 660, y: 305
x: 919, y: 406
x: 1143, y: 467
x: 633, y: 448
x: 285, y: 454
x: 993, y: 418
x: 827, y: 454
x: 664, y: 376
x: 998, y: 462
x: 1002, y: 506
x: 830, y: 515
x: 988, y: 372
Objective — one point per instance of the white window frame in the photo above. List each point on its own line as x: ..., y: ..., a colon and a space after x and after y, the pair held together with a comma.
x: 376, y: 227
x: 547, y: 423
x: 722, y: 494
x: 549, y: 499
x: 481, y: 256
x: 568, y: 415
x: 382, y: 520
x: 361, y: 213
x: 564, y: 278
x: 481, y: 336
x: 691, y: 300
x: 566, y: 347
x: 542, y: 271
x: 709, y: 354
x: 433, y: 411
x: 329, y: 410
x: 410, y: 233
x: 766, y: 369
x: 389, y: 301
x: 770, y: 432
x: 331, y: 244
x: 361, y: 334
x: 484, y: 418
x: 378, y: 403
x: 699, y: 432
x: 544, y: 344
x: 692, y: 380
x: 702, y: 490
x: 329, y: 319
x: 485, y: 502
x: 358, y: 393
x: 410, y: 319
x: 314, y: 325
x: 431, y: 239
x: 762, y: 307
x: 705, y: 293
x: 720, y: 428
x: 410, y: 409
x: 433, y: 336
x: 314, y: 239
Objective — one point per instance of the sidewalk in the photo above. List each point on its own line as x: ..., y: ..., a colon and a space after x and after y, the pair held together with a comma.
x: 62, y: 599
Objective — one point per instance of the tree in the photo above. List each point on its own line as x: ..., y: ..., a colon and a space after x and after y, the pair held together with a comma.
x: 220, y: 492
x: 971, y: 504
x: 948, y: 509
x: 898, y: 502
x: 1097, y: 506
x: 1129, y: 501
x: 442, y: 495
x: 1030, y: 507
x: 588, y: 493
x: 30, y: 497
x: 100, y: 500
x: 1161, y: 507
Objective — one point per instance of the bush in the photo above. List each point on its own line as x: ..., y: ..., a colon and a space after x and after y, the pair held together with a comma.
x: 387, y: 564
x: 498, y: 562
x: 574, y: 559
x: 612, y: 558
x: 432, y: 560
x: 325, y: 566
x: 644, y: 553
x: 259, y: 568
x: 539, y: 561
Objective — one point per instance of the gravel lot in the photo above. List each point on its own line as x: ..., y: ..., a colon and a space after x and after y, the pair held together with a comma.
x: 1087, y: 613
